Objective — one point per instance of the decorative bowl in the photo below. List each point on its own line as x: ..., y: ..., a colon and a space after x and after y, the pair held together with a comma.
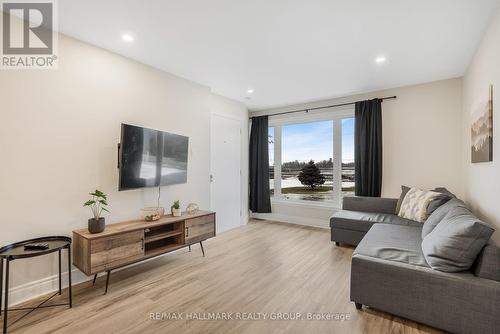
x: 152, y: 213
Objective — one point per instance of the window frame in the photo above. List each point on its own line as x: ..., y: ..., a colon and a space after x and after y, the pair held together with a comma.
x: 335, y: 115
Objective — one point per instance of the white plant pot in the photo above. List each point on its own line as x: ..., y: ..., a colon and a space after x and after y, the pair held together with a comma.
x: 176, y: 212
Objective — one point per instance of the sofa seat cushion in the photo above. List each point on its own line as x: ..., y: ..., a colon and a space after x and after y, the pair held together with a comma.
x: 393, y: 243
x: 363, y: 221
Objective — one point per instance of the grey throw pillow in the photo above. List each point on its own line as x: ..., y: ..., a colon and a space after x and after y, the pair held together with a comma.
x: 445, y: 191
x: 437, y: 202
x: 438, y: 215
x: 456, y: 241
x: 404, y: 191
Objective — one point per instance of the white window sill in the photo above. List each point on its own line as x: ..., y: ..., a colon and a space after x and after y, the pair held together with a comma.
x: 304, y: 203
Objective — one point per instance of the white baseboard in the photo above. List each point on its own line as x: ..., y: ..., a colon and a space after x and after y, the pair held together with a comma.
x: 314, y: 222
x: 50, y: 284
x: 30, y: 290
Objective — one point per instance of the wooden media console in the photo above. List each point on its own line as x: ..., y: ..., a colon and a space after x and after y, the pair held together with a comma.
x: 124, y: 243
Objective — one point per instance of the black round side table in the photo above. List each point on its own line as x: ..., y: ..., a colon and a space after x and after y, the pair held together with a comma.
x: 17, y: 251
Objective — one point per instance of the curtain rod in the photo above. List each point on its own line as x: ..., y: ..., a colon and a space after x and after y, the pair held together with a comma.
x: 324, y: 107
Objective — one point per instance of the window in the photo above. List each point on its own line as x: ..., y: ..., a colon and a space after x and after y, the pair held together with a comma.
x: 307, y: 161
x: 271, y: 161
x: 312, y: 159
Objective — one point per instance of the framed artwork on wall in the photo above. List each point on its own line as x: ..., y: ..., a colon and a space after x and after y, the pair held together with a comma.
x: 482, y: 129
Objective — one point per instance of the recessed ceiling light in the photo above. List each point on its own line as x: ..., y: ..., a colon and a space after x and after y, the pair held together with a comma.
x: 128, y: 38
x: 250, y: 91
x: 380, y: 60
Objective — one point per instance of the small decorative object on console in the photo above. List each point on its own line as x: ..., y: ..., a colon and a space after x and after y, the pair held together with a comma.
x: 152, y: 213
x: 176, y: 209
x: 97, y: 204
x: 192, y: 208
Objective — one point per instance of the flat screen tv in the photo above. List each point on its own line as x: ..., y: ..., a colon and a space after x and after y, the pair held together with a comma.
x: 151, y: 158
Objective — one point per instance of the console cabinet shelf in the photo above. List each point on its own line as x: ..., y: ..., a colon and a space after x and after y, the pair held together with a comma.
x: 163, y: 235
x: 128, y: 242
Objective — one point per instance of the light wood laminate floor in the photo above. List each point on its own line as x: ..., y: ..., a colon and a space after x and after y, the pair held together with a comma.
x: 262, y: 267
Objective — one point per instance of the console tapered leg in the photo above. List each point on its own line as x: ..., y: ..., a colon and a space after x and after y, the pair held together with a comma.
x: 107, y: 281
x: 70, y: 292
x: 6, y: 311
x: 1, y: 285
x: 189, y: 247
x: 60, y: 290
x: 93, y: 281
x: 202, y: 250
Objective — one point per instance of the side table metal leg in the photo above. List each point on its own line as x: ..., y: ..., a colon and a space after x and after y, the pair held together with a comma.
x: 107, y: 281
x: 202, y: 250
x: 60, y: 272
x: 1, y: 286
x: 6, y: 311
x: 69, y: 278
x: 93, y: 281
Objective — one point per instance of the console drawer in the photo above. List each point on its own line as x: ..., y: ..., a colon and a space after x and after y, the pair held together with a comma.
x: 199, y: 228
x: 116, y: 250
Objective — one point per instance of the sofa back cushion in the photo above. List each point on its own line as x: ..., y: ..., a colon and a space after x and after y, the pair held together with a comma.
x: 456, y: 241
x: 439, y: 214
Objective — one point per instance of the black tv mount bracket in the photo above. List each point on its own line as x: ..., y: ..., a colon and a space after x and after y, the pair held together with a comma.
x: 118, y: 160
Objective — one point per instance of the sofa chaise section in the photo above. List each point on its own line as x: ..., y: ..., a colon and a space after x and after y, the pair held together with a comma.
x: 359, y: 214
x: 389, y: 273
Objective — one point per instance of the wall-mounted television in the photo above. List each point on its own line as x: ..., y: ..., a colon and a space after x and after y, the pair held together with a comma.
x: 151, y: 158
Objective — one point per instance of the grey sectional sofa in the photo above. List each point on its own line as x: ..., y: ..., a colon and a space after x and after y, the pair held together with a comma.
x: 389, y: 271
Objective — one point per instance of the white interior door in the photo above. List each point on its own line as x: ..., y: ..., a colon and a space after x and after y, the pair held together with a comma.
x: 225, y: 190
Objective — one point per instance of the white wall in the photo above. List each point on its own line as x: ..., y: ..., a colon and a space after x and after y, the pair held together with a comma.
x: 422, y: 134
x: 482, y: 180
x: 58, y: 137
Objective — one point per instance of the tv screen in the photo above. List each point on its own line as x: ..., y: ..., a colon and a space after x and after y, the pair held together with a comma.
x: 151, y: 158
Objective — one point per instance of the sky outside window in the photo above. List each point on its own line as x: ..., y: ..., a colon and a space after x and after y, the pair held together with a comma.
x: 307, y: 141
x: 348, y: 140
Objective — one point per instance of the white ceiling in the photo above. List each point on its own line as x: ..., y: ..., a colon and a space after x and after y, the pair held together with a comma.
x: 288, y: 51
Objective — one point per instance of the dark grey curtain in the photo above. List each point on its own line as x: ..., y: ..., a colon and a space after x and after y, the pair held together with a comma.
x: 260, y: 200
x: 368, y: 148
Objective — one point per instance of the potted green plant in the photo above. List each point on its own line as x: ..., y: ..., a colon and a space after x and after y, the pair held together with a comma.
x: 176, y: 209
x: 97, y: 204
